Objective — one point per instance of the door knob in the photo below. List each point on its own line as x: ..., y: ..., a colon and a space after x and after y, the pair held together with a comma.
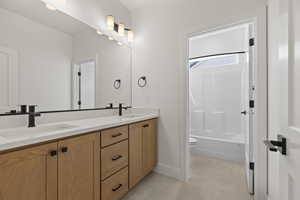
x: 277, y: 145
x: 53, y: 153
x: 244, y: 112
x: 64, y: 149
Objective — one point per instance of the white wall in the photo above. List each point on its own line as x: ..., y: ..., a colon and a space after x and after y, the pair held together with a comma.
x: 160, y: 51
x: 44, y: 56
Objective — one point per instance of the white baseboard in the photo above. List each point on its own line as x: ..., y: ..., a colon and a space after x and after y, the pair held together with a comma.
x: 168, y: 171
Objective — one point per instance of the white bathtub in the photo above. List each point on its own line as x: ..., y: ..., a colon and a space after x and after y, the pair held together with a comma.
x: 225, y: 148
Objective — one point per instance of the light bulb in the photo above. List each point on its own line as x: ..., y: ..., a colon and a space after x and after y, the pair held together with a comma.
x: 110, y: 22
x: 111, y: 38
x: 121, y: 29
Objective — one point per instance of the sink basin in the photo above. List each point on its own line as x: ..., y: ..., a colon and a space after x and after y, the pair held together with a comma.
x: 19, y: 132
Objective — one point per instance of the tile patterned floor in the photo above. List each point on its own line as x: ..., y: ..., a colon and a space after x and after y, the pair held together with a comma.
x: 212, y: 179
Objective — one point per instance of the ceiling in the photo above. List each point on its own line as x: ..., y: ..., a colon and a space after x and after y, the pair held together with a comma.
x: 36, y: 11
x: 137, y: 4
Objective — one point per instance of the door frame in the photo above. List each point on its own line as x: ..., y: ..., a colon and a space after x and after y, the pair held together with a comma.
x: 13, y: 90
x: 73, y: 81
x: 260, y: 122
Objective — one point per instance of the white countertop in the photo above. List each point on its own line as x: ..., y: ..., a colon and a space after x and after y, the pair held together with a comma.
x: 19, y: 137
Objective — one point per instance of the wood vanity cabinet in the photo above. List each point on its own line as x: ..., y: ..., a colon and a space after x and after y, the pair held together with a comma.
x: 29, y: 174
x: 142, y: 150
x: 78, y: 168
x: 92, y: 166
x: 63, y: 170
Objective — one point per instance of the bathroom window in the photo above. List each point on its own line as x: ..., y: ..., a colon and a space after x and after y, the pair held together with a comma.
x: 215, y: 61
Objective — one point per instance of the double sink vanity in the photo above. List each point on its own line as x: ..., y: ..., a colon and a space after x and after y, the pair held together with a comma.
x: 91, y: 159
x: 73, y: 145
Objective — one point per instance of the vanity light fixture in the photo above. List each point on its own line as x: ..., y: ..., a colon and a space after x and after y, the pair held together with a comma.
x: 130, y: 36
x: 110, y: 22
x: 121, y: 29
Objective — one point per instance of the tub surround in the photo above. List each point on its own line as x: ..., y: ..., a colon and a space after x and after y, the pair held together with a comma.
x: 20, y: 136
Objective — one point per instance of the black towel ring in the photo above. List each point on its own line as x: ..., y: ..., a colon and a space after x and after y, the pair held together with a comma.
x: 142, y: 82
x: 117, y: 84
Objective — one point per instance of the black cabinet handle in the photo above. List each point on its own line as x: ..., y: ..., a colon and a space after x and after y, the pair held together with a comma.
x: 117, y: 157
x: 53, y: 153
x: 146, y: 125
x: 64, y: 149
x: 116, y: 188
x: 116, y: 135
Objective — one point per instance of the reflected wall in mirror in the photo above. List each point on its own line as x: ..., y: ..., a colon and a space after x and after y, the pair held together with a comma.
x: 52, y: 60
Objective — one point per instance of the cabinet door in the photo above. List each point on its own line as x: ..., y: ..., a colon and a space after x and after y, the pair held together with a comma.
x: 135, y: 154
x: 79, y: 168
x: 29, y: 174
x: 149, y: 144
x: 142, y: 150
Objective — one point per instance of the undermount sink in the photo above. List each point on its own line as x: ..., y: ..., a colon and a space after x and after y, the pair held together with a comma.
x: 130, y: 116
x: 40, y: 130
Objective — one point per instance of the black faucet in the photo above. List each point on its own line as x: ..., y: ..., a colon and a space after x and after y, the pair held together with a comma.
x: 121, y: 109
x: 31, y: 116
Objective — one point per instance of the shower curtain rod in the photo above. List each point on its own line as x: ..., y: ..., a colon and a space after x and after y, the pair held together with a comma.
x: 220, y: 54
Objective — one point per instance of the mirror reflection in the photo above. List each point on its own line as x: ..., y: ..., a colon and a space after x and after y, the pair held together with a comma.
x: 54, y: 61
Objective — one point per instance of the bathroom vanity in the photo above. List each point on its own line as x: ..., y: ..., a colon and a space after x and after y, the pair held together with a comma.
x: 89, y: 159
x: 64, y: 78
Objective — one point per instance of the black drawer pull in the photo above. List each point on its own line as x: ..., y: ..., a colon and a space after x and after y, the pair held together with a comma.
x: 117, y: 157
x: 116, y: 135
x: 53, y: 153
x: 64, y: 149
x: 146, y: 125
x: 117, y: 188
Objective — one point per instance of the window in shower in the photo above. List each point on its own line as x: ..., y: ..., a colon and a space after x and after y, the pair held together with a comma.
x: 215, y: 61
x: 216, y: 96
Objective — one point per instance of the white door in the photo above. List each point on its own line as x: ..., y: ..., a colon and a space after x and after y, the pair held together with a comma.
x: 8, y: 79
x: 246, y: 114
x: 247, y: 108
x: 84, y: 85
x: 284, y: 98
x: 88, y: 85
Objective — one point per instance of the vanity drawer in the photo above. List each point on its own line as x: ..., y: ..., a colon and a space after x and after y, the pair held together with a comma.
x: 114, y: 135
x: 115, y: 187
x: 114, y: 158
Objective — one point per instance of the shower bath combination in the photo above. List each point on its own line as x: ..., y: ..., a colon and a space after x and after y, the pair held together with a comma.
x: 220, y: 89
x: 215, y: 105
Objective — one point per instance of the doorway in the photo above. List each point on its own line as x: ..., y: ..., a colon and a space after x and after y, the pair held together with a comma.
x: 84, y: 85
x: 8, y: 79
x: 221, y: 100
